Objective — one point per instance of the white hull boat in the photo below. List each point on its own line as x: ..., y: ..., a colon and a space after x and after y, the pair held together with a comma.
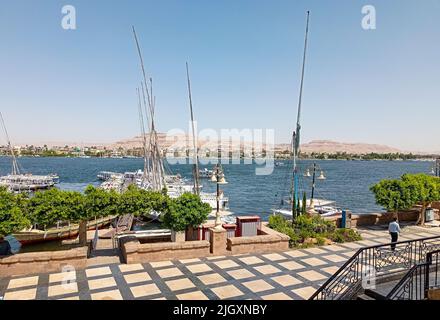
x: 325, y: 208
x: 28, y: 182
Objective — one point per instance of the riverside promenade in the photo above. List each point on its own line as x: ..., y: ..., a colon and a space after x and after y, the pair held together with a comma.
x: 289, y: 275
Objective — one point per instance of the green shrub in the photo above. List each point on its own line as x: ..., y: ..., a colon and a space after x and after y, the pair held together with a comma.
x: 186, y: 211
x: 277, y: 221
x: 295, y: 239
x: 13, y: 215
x: 345, y: 235
x: 305, y: 227
x: 320, y: 239
x: 280, y: 224
x: 304, y: 234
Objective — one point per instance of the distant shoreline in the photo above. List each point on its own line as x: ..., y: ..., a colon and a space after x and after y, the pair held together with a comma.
x: 354, y: 158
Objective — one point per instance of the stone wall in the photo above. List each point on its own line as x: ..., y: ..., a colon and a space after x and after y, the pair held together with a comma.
x: 42, y: 262
x: 436, y: 205
x: 135, y: 252
x: 358, y: 220
x: 267, y: 240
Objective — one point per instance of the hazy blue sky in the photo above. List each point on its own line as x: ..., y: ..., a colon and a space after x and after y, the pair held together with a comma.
x: 378, y: 86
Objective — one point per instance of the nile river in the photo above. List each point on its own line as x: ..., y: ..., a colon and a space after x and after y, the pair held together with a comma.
x: 347, y: 182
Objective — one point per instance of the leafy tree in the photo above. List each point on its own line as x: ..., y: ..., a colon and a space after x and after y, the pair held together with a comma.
x: 46, y: 208
x: 100, y: 203
x: 13, y: 217
x: 141, y: 202
x: 186, y: 211
x: 304, y: 204
x: 409, y: 190
x: 424, y: 190
x: 131, y: 202
x: 394, y: 195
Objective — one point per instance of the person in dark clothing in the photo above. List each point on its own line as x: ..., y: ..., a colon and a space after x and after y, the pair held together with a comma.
x: 5, y: 247
x: 394, y: 230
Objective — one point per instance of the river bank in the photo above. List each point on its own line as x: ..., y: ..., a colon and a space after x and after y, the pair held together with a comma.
x: 347, y: 182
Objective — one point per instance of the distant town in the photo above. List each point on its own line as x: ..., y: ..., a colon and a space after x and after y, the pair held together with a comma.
x: 112, y: 151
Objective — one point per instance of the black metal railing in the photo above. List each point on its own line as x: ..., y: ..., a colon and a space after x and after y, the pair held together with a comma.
x: 419, y: 279
x: 371, y: 263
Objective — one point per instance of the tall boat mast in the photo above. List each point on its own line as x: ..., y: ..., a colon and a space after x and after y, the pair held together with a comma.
x: 144, y: 138
x: 296, y: 134
x: 15, y: 168
x: 195, y: 149
x: 148, y: 145
x: 157, y: 168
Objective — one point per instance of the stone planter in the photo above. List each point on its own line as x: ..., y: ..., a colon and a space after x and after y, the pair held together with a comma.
x: 177, y: 236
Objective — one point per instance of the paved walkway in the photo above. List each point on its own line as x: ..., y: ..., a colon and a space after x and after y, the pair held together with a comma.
x: 294, y: 274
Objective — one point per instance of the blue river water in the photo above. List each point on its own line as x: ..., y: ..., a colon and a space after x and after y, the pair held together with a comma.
x: 347, y: 182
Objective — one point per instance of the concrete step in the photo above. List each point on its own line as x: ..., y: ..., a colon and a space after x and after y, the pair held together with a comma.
x: 364, y: 297
x: 373, y: 295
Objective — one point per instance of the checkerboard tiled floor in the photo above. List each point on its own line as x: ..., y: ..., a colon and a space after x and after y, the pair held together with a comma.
x: 294, y: 274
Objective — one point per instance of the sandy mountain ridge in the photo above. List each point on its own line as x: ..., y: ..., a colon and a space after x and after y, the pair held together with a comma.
x: 183, y: 141
x: 317, y: 146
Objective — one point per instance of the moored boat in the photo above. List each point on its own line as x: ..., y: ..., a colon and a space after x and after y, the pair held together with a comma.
x: 17, y: 181
x: 325, y: 208
x: 28, y: 182
x: 206, y: 173
x: 66, y: 232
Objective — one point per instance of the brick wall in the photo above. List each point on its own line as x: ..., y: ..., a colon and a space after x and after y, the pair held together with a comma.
x: 358, y: 220
x: 268, y: 240
x: 136, y: 252
x: 436, y: 205
x: 42, y: 262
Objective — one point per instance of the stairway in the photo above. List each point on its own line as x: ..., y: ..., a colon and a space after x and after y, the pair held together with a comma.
x: 402, y: 274
x: 105, y: 252
x: 366, y: 297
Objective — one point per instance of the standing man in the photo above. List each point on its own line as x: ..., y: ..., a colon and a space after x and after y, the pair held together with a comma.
x: 394, y: 230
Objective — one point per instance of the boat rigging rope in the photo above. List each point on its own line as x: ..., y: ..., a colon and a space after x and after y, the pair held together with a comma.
x: 279, y: 202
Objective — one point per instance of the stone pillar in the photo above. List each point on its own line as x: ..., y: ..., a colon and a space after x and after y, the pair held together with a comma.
x: 218, y: 237
x: 82, y: 233
x: 177, y: 236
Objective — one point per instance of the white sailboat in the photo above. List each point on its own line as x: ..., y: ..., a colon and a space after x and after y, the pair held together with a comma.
x: 155, y: 175
x: 22, y: 182
x: 318, y: 206
x: 205, y: 173
x: 212, y: 199
x: 324, y: 208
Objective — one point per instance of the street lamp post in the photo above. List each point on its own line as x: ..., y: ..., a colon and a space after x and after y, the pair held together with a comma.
x: 321, y: 177
x: 436, y: 168
x: 218, y: 222
x: 313, y: 186
x: 220, y: 179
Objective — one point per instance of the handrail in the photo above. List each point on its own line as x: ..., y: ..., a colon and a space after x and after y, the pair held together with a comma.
x: 406, y: 284
x: 350, y: 273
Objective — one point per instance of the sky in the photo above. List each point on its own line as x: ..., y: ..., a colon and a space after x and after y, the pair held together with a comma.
x: 372, y: 86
